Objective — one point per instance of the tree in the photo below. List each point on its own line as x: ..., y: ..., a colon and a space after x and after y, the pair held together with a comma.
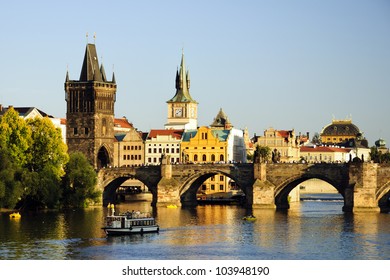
x: 79, y: 182
x: 379, y: 157
x: 262, y: 154
x: 11, y: 188
x: 316, y: 139
x: 44, y: 169
x: 15, y: 136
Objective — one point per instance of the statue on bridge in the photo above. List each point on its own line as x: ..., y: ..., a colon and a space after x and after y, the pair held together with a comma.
x: 275, y: 156
x: 165, y: 159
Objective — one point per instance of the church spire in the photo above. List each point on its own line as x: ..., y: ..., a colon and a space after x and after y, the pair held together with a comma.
x: 182, y: 84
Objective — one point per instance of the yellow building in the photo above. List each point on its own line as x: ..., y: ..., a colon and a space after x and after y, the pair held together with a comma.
x: 207, y: 145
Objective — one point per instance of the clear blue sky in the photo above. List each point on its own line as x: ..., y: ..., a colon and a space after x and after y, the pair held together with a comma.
x: 285, y: 64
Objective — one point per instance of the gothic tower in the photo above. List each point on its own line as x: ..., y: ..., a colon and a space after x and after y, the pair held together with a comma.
x: 90, y: 111
x: 182, y: 109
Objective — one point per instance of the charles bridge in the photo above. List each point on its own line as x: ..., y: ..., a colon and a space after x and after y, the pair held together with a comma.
x: 365, y: 187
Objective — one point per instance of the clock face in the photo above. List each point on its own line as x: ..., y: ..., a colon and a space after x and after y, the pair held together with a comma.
x: 179, y: 112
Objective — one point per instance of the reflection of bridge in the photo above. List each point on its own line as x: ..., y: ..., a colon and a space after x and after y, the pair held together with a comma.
x: 364, y: 186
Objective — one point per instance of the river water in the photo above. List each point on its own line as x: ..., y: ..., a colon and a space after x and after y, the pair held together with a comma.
x: 314, y: 229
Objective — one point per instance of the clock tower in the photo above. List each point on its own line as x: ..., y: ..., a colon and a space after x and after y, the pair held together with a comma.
x: 182, y: 109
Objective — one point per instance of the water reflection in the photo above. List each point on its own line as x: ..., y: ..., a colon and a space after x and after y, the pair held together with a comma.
x: 309, y: 230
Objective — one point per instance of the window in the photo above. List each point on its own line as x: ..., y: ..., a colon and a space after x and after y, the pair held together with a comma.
x: 195, y: 157
x: 150, y: 150
x: 124, y: 157
x: 75, y: 132
x: 124, y: 148
x: 221, y: 178
x: 221, y: 158
x: 212, y: 157
x: 221, y: 187
x: 204, y: 158
x: 86, y: 130
x: 212, y: 187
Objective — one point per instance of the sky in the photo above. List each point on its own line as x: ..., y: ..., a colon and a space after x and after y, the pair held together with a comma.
x: 281, y: 64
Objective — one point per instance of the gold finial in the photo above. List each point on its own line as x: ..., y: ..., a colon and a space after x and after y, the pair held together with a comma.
x: 87, y: 37
x: 94, y: 37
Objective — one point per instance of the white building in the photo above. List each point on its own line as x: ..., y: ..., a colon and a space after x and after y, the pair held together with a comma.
x: 161, y: 142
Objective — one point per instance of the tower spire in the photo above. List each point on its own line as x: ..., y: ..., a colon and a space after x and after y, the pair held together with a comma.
x: 182, y: 83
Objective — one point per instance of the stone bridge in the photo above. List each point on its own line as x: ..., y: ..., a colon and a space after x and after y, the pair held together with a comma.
x: 364, y: 186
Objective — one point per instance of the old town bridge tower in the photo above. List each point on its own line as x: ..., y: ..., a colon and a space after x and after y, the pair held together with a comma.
x: 90, y: 111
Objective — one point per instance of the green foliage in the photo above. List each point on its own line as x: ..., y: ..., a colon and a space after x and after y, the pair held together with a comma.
x: 11, y: 188
x: 44, y: 170
x: 32, y: 157
x: 262, y: 153
x: 15, y: 135
x: 79, y: 182
x: 379, y: 157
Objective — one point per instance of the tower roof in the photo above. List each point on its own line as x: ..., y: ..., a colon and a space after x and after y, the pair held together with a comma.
x: 221, y: 120
x: 182, y: 84
x: 91, y: 70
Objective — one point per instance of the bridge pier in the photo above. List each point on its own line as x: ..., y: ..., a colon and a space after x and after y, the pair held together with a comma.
x: 263, y: 190
x: 363, y: 178
x: 168, y: 189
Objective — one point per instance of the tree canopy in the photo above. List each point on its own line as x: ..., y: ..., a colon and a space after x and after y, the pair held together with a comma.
x: 33, y: 166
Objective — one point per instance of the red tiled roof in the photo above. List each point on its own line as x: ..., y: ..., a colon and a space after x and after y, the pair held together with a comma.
x: 173, y: 132
x: 284, y: 133
x: 123, y: 123
x: 324, y: 149
x: 63, y: 121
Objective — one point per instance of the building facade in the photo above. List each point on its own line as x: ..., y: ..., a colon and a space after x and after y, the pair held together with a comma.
x: 90, y: 111
x: 161, y: 142
x: 129, y: 147
x: 283, y: 143
x: 316, y: 154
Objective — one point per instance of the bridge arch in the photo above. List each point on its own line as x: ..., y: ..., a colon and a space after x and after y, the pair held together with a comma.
x: 282, y: 191
x: 109, y: 179
x: 191, y: 185
x: 109, y: 190
x: 383, y: 197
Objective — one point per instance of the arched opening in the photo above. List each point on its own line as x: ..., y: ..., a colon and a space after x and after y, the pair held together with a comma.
x: 116, y: 189
x: 384, y: 198
x: 212, y: 188
x: 103, y: 159
x: 306, y: 193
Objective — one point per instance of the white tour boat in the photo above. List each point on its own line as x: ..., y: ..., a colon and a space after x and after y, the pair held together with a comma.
x: 129, y: 223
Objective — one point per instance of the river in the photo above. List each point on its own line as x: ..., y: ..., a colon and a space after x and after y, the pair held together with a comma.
x: 314, y: 229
